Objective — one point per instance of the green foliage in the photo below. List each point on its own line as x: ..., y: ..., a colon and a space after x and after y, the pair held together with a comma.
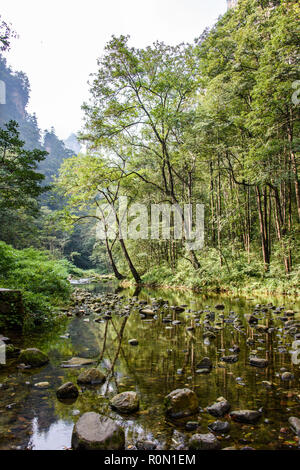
x: 42, y: 280
x: 20, y: 183
x: 239, y: 274
x: 212, y: 123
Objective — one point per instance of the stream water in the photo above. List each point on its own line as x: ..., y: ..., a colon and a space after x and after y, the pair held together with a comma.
x: 165, y: 359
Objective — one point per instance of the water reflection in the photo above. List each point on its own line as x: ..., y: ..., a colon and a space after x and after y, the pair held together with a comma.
x: 169, y: 348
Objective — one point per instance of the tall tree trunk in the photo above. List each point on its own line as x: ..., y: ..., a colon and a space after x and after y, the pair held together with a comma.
x: 264, y: 239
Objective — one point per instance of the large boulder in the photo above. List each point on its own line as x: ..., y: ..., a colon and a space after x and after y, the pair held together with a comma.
x: 204, y: 442
x: 181, y: 402
x: 67, y: 390
x: 246, y: 416
x: 126, y: 402
x: 95, y: 432
x: 219, y: 409
x: 91, y: 376
x: 33, y: 357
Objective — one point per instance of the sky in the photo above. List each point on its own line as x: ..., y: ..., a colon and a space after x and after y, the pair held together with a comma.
x: 60, y: 40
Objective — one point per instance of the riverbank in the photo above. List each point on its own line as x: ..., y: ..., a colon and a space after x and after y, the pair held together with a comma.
x: 255, y: 289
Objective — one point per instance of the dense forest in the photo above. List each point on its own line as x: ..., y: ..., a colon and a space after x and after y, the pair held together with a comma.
x: 211, y: 122
x: 214, y: 122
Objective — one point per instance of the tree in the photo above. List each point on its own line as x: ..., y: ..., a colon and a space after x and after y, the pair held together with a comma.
x: 248, y: 63
x: 89, y: 184
x: 140, y: 105
x: 20, y: 183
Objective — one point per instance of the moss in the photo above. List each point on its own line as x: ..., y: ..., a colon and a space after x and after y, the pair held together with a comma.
x: 33, y: 357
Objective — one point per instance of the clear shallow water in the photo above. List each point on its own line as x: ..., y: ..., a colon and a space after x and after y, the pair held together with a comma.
x: 36, y: 419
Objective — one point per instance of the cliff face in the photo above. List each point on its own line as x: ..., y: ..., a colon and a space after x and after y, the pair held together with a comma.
x: 72, y: 143
x: 16, y: 88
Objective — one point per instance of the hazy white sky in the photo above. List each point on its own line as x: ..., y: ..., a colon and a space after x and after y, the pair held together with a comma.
x: 60, y: 40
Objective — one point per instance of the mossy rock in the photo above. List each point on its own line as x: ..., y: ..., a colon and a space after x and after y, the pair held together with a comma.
x: 67, y: 391
x: 33, y: 357
x: 126, y: 402
x: 181, y: 402
x: 91, y: 376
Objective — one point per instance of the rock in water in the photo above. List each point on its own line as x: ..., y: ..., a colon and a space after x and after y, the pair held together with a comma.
x: 146, y: 445
x: 33, y: 357
x: 287, y: 376
x: 252, y: 320
x: 91, y: 376
x: 148, y: 312
x: 231, y: 359
x: 67, y: 390
x: 191, y: 425
x: 204, y: 442
x: 179, y: 309
x: 205, y: 363
x: 95, y: 432
x: 126, y: 402
x: 77, y: 362
x: 246, y: 416
x: 258, y: 362
x: 219, y: 408
x: 181, y: 402
x: 295, y: 425
x: 220, y: 306
x: 219, y: 426
x: 42, y: 385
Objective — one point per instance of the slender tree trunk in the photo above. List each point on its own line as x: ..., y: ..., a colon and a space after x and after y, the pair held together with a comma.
x: 133, y: 271
x: 117, y: 274
x: 264, y: 239
x: 212, y: 206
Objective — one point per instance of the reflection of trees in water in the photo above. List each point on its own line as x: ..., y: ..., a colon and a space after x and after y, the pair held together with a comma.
x: 148, y: 364
x: 111, y: 373
x: 152, y: 366
x: 83, y: 338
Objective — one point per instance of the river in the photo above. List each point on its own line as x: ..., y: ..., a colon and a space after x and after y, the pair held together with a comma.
x: 169, y: 347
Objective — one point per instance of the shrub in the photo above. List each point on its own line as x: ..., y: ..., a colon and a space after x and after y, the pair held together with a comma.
x: 42, y: 281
